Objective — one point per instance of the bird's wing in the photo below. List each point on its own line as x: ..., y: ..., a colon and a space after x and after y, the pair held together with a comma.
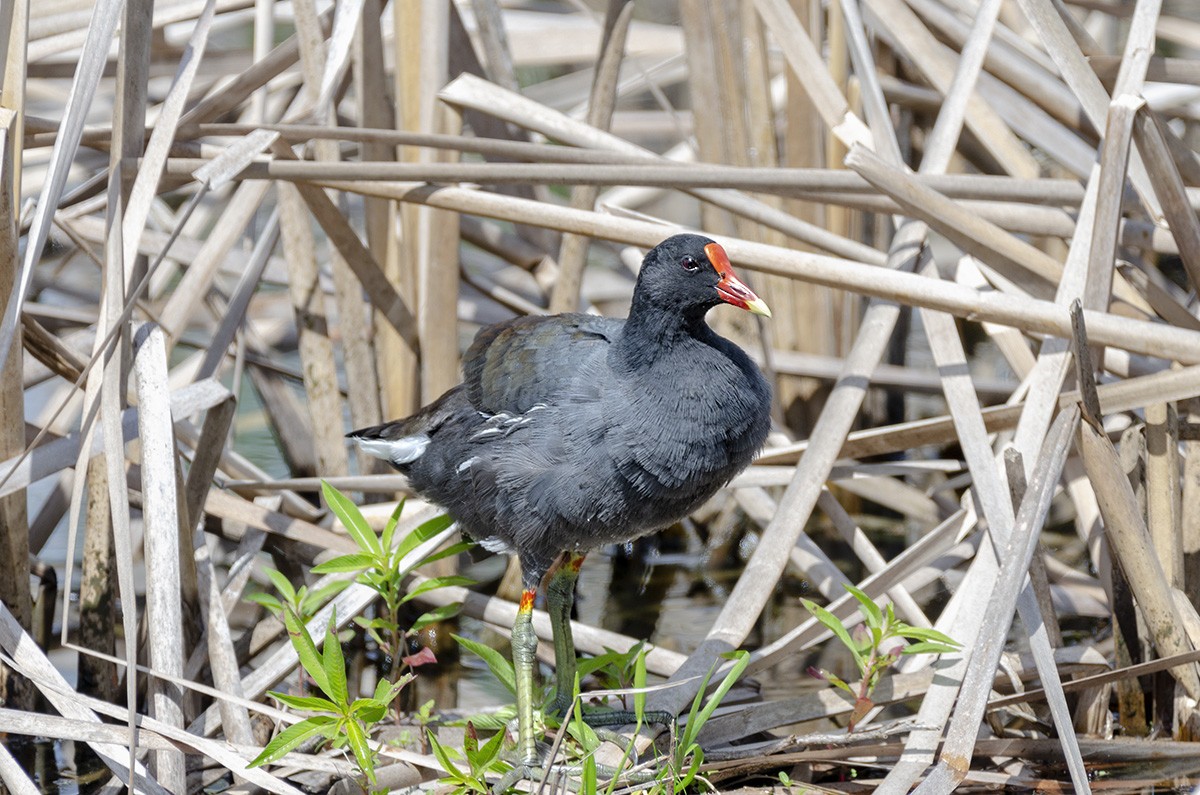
x: 513, y: 366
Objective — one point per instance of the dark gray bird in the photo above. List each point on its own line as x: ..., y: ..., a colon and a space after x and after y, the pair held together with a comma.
x: 572, y: 431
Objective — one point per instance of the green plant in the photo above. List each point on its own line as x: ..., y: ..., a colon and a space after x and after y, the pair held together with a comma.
x: 877, y: 643
x: 680, y: 770
x: 615, y: 670
x: 302, y: 601
x: 687, y: 755
x: 335, y: 717
x: 378, y: 563
x: 480, y: 760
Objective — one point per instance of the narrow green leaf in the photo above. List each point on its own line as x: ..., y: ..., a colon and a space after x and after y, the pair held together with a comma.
x: 837, y: 681
x: 741, y: 659
x: 867, y: 606
x: 589, y: 781
x: 290, y: 738
x: 639, y: 682
x: 692, y: 728
x: 926, y: 647
x: 450, y: 551
x: 831, y: 622
x: 266, y: 600
x: 335, y: 665
x: 490, y: 751
x: 319, y: 596
x: 697, y: 759
x: 355, y: 561
x: 422, y: 533
x: 437, y: 614
x: 389, y: 529
x: 307, y: 703
x: 374, y: 623
x: 281, y: 584
x: 442, y: 756
x: 361, y: 748
x: 433, y: 583
x: 353, y: 520
x: 501, y: 668
x: 590, y: 665
x: 306, y: 649
x: 921, y: 633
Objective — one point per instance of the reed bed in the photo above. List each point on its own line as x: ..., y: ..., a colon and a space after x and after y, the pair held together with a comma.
x: 976, y: 224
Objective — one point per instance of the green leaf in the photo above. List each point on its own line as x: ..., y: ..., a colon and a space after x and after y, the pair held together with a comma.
x: 266, y: 600
x: 443, y: 758
x: 831, y: 622
x: 488, y: 721
x: 389, y: 529
x: 697, y: 759
x: 355, y: 561
x: 290, y: 738
x: 925, y: 647
x: 639, y: 682
x: 335, y: 665
x: 377, y: 622
x: 867, y: 606
x: 741, y: 659
x: 281, y: 584
x: 434, y: 616
x: 306, y: 649
x: 319, y: 596
x: 490, y: 751
x: 369, y: 710
x: 306, y: 703
x: 590, y: 665
x: 450, y: 551
x: 589, y: 778
x: 921, y: 633
x: 433, y: 583
x: 501, y: 668
x: 422, y: 533
x: 361, y: 748
x: 353, y: 520
x: 837, y: 681
x: 386, y: 692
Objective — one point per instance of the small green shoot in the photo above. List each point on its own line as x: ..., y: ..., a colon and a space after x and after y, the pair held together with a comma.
x: 480, y: 759
x: 334, y: 716
x: 877, y: 643
x: 379, y: 564
x: 302, y: 601
x: 688, y: 756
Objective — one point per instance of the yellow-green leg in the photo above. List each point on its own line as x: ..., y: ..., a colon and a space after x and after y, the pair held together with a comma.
x: 560, y: 596
x: 524, y: 648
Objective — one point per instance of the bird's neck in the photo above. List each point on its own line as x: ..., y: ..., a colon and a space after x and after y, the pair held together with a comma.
x: 652, y: 332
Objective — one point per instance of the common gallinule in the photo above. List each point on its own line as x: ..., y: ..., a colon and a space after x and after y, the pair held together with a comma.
x: 573, y: 431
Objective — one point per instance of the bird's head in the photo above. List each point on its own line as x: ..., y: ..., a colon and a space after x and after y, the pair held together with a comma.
x: 693, y: 273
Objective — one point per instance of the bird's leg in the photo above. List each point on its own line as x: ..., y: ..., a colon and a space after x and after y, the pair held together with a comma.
x: 524, y: 648
x: 560, y: 596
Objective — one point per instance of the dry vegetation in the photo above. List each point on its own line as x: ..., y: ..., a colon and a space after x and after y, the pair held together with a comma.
x: 317, y: 203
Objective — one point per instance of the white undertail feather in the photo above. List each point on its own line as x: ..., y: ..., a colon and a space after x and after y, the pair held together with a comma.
x: 496, y: 546
x: 398, y: 451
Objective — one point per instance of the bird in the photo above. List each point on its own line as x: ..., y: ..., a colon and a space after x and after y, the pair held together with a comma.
x: 573, y: 431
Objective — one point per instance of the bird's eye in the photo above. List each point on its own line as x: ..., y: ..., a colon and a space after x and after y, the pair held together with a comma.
x: 689, y: 264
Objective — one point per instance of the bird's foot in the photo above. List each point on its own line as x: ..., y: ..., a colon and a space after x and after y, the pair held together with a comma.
x: 604, y: 717
x: 561, y: 777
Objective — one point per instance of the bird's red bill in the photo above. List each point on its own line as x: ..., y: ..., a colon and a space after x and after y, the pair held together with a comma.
x: 731, y: 289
